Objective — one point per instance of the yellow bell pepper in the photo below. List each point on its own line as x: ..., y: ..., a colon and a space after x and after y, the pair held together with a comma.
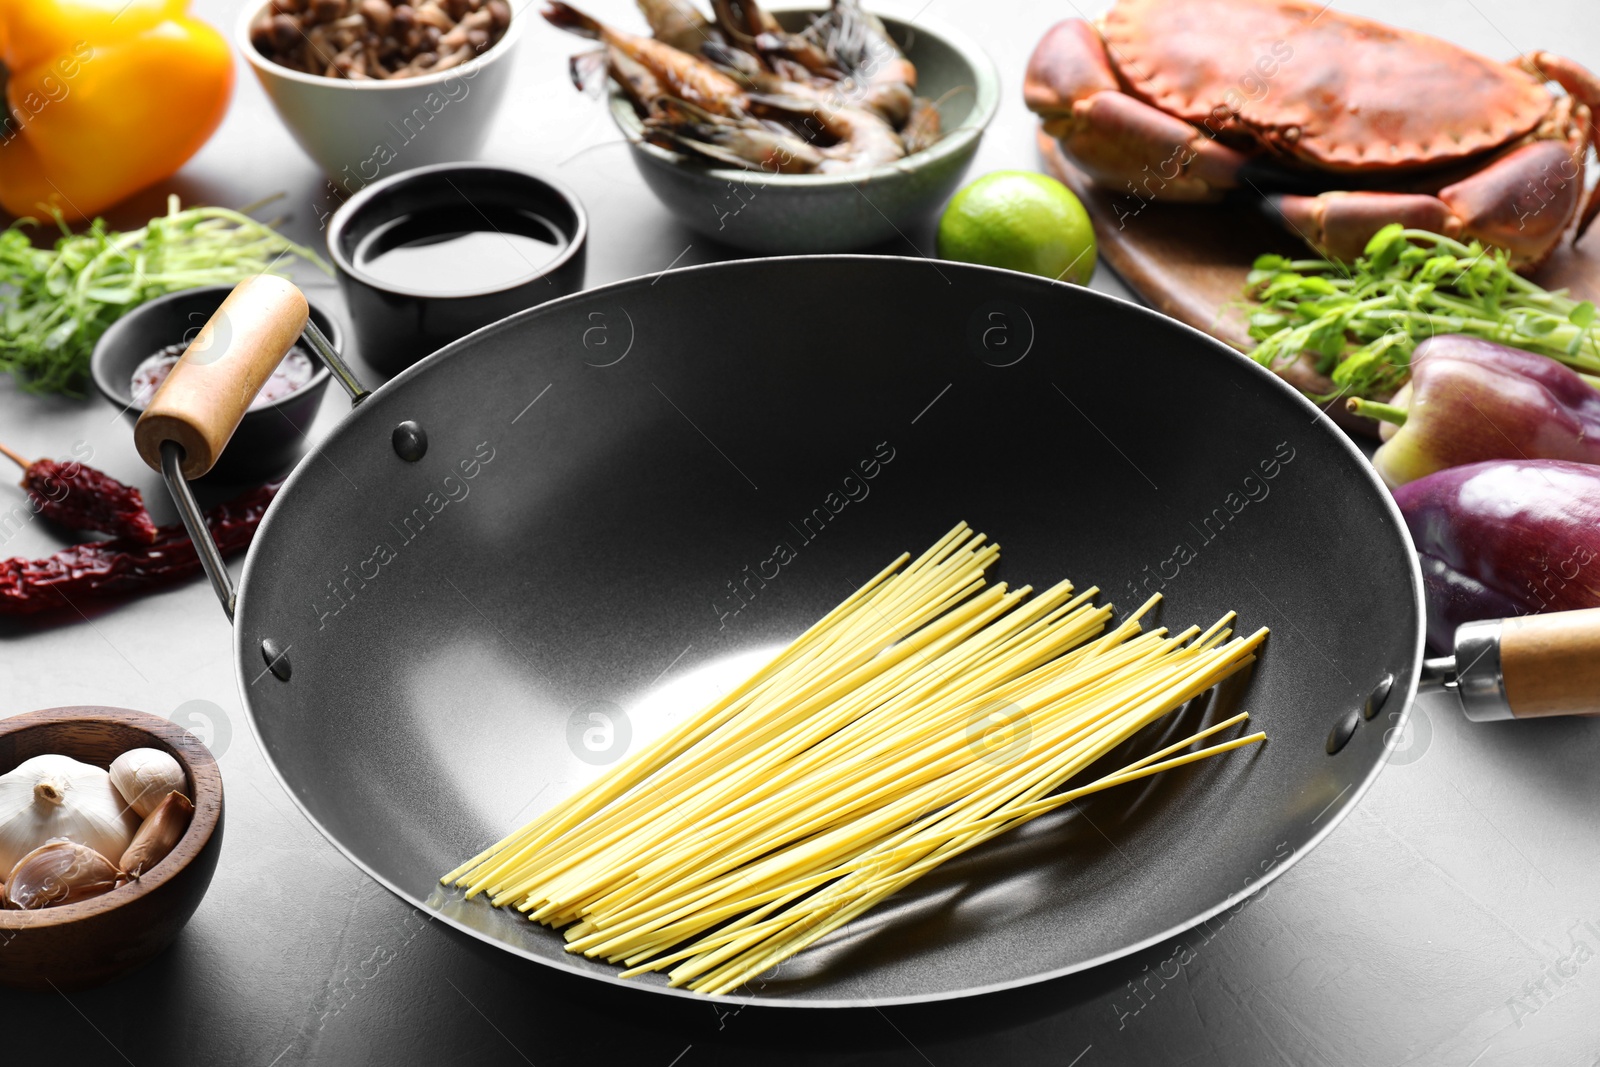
x: 105, y: 97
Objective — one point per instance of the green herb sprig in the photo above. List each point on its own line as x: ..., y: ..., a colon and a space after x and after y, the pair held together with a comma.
x: 1361, y: 322
x: 56, y: 302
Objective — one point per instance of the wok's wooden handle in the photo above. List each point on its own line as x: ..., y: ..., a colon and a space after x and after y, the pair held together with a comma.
x: 211, y: 387
x: 1551, y: 663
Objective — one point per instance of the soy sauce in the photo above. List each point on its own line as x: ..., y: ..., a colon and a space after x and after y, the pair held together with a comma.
x: 459, y: 250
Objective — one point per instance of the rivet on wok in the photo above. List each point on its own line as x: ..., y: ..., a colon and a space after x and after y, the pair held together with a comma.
x: 1343, y: 730
x: 410, y: 441
x: 1378, y: 697
x: 277, y: 659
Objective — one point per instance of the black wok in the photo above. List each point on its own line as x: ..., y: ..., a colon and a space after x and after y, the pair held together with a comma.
x: 513, y: 559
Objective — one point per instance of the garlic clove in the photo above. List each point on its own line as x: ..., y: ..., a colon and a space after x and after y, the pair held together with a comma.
x: 158, y: 835
x: 57, y: 796
x: 60, y: 872
x: 144, y: 776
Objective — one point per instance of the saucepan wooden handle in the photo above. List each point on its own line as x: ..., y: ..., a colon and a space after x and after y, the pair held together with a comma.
x: 213, y: 384
x: 1551, y: 663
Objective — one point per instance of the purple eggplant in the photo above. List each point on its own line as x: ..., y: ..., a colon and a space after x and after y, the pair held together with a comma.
x: 1504, y: 538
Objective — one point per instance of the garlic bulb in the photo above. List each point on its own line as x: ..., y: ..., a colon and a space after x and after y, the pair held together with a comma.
x: 144, y: 777
x: 57, y: 796
x: 60, y: 872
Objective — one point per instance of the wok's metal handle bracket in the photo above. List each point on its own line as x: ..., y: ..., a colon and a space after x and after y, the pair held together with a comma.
x: 192, y: 416
x: 194, y: 521
x: 1479, y: 681
x: 319, y: 343
x: 1524, y: 667
x: 1438, y: 672
x: 1473, y: 673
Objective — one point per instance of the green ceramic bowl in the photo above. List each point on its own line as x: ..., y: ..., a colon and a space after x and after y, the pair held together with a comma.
x: 795, y: 213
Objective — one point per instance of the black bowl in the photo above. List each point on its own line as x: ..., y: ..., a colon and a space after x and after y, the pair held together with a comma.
x: 395, y: 326
x: 269, y: 438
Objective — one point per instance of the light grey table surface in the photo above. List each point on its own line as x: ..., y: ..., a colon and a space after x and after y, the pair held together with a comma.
x: 1450, y: 920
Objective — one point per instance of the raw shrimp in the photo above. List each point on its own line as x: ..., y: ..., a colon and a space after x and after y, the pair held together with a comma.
x: 861, y: 138
x: 679, y: 73
x: 678, y: 23
x: 770, y: 84
x: 754, y: 29
x: 739, y: 63
x: 865, y: 140
x: 797, y: 50
x: 829, y: 95
x: 638, y: 84
x: 745, y: 144
x: 742, y: 20
x: 880, y: 77
x: 922, y: 129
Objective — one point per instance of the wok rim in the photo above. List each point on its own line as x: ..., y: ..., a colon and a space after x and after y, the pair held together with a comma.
x: 1351, y: 797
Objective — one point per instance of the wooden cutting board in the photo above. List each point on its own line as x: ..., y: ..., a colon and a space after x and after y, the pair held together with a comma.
x: 1189, y: 261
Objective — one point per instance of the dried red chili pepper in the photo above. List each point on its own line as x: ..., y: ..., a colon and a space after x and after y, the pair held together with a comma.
x: 109, y: 568
x: 83, y: 498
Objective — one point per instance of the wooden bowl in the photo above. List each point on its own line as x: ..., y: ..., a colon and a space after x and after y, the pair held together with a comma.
x: 94, y: 940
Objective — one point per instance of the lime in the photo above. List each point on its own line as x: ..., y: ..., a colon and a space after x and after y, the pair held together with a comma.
x: 1020, y: 221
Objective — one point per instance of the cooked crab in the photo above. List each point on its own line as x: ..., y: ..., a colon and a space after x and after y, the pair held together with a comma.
x: 1188, y: 99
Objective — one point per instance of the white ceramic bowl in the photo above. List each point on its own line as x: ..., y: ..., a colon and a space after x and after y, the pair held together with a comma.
x: 360, y: 131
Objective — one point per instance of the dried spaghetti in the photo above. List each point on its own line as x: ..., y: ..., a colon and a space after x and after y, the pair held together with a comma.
x: 927, y: 713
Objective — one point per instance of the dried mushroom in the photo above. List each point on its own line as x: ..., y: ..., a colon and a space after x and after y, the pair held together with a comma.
x: 364, y: 39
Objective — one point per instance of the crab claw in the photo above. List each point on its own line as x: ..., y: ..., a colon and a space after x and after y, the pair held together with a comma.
x: 1118, y: 140
x: 1522, y: 202
x: 1582, y: 86
x: 1339, y: 224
